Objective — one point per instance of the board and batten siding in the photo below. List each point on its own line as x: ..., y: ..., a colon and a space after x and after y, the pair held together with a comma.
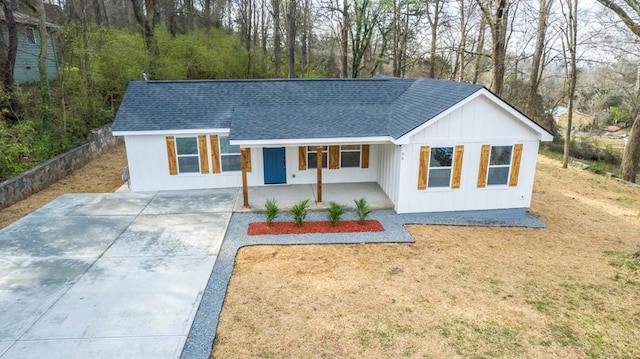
x: 389, y: 169
x: 477, y: 123
x: 149, y: 167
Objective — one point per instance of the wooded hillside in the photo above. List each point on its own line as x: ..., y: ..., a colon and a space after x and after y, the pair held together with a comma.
x: 521, y: 50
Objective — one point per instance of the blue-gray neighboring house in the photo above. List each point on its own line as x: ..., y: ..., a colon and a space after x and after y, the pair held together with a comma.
x: 26, y: 66
x: 431, y: 145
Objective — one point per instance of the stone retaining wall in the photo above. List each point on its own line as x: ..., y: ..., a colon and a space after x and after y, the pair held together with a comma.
x: 42, y: 176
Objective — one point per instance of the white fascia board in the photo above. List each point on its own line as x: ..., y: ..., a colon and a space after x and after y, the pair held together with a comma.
x: 544, y: 135
x: 197, y: 131
x: 312, y: 141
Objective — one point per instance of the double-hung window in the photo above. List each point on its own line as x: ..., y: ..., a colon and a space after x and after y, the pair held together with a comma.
x: 499, y: 165
x: 350, y: 155
x: 187, y: 155
x: 312, y: 157
x: 440, y: 165
x: 229, y: 155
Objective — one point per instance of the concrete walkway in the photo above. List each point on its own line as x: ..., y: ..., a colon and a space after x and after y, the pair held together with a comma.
x: 109, y: 276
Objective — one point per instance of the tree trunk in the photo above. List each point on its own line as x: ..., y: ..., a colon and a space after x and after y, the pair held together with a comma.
x: 291, y: 37
x: 536, y: 68
x: 434, y: 22
x: 497, y: 18
x: 9, y: 102
x: 147, y: 21
x: 571, y: 35
x: 42, y: 63
x: 631, y: 156
x: 396, y: 26
x: 344, y: 40
x: 629, y: 166
x: 277, y: 43
x: 304, y: 58
x: 479, y: 50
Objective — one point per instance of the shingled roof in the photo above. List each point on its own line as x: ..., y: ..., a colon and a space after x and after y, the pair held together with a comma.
x: 289, y: 108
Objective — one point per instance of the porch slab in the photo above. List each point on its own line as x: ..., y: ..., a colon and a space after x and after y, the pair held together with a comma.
x: 287, y: 196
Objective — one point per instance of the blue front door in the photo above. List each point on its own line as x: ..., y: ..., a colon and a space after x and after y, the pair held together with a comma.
x: 275, y: 170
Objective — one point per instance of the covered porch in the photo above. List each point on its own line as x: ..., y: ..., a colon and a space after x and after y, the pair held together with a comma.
x: 288, y: 195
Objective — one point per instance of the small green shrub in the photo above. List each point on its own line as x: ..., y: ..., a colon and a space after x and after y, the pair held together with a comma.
x: 598, y: 167
x: 299, y: 211
x: 362, y: 209
x: 272, y: 210
x: 335, y: 212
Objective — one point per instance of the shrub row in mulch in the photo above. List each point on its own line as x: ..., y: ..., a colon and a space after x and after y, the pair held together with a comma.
x: 261, y: 228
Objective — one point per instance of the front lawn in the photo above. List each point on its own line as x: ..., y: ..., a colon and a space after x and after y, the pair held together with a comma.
x: 571, y: 290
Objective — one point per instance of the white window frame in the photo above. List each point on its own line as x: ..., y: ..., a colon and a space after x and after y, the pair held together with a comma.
x: 325, y: 156
x: 178, y: 155
x: 228, y: 154
x: 359, y: 151
x: 450, y: 167
x: 490, y: 166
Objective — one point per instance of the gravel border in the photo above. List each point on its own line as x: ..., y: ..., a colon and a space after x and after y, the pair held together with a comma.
x: 203, y: 329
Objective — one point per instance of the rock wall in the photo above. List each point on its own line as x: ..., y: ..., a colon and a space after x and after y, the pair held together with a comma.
x: 42, y: 176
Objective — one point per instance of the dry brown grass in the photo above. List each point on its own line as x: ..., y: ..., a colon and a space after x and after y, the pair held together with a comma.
x: 101, y: 175
x: 569, y: 291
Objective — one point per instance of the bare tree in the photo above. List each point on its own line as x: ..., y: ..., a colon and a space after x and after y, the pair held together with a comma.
x: 277, y: 42
x: 496, y: 14
x: 147, y: 16
x: 631, y: 156
x: 42, y: 62
x: 291, y: 36
x: 433, y: 16
x: 570, y: 13
x: 8, y: 51
x: 365, y: 20
x: 536, y: 62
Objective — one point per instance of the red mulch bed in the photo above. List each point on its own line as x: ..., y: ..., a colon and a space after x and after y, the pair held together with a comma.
x: 261, y: 228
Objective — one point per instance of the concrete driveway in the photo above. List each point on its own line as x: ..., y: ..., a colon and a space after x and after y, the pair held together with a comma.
x: 109, y: 276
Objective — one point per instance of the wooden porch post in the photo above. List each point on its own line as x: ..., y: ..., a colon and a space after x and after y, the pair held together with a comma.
x: 245, y: 190
x: 319, y: 171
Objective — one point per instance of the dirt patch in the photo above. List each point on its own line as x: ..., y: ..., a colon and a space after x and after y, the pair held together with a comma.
x: 570, y: 290
x: 261, y: 228
x: 102, y: 175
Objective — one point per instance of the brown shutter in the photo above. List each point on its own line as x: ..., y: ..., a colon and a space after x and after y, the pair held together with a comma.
x: 457, y: 166
x: 484, y: 166
x: 302, y: 158
x: 248, y: 163
x: 215, y: 153
x: 334, y: 157
x: 364, y: 160
x: 515, y: 164
x: 423, y: 167
x: 171, y: 155
x: 204, y: 158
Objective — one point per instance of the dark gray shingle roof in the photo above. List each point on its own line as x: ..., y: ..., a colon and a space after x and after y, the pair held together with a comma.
x: 289, y: 108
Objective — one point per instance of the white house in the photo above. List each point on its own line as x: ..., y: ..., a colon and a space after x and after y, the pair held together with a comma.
x: 431, y: 145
